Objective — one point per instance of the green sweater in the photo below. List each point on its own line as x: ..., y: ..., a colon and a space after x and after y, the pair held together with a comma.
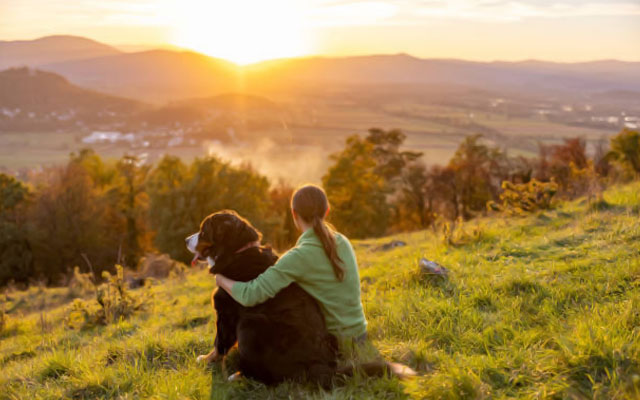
x: 308, y: 266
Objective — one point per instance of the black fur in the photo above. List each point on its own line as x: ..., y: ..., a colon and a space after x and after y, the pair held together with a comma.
x: 282, y: 338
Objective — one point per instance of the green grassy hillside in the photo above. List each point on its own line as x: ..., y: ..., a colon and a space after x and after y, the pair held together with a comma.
x: 535, y: 307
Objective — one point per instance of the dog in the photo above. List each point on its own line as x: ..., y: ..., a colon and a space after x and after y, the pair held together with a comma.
x: 284, y: 338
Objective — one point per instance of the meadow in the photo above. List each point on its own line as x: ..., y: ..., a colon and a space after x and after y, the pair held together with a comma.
x: 541, y: 306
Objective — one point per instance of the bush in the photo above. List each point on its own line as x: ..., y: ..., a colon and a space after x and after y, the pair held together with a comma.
x: 521, y: 198
x: 114, y: 301
x: 80, y: 283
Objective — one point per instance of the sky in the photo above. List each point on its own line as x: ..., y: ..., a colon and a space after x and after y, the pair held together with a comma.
x: 246, y: 31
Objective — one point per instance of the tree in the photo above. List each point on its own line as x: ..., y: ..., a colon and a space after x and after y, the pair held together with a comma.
x: 414, y: 205
x: 181, y: 197
x: 390, y: 161
x: 560, y: 162
x: 282, y: 232
x: 478, y: 172
x: 442, y: 192
x: 69, y: 218
x: 625, y: 148
x: 357, y: 194
x: 132, y: 203
x: 16, y: 258
x: 169, y: 215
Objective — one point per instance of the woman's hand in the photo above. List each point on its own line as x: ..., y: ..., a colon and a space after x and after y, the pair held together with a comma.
x: 224, y: 283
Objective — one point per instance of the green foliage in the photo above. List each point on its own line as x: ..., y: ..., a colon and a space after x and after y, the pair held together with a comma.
x: 132, y: 202
x: 363, y: 178
x: 390, y: 160
x: 357, y: 194
x: 180, y: 197
x: 115, y: 303
x: 16, y: 260
x: 114, y: 212
x: 115, y: 300
x: 625, y: 148
x: 521, y: 198
x: 455, y: 234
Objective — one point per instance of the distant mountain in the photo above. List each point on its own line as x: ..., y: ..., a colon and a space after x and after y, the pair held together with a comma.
x: 32, y: 99
x: 50, y: 49
x: 405, y: 69
x: 155, y: 76
x: 163, y: 75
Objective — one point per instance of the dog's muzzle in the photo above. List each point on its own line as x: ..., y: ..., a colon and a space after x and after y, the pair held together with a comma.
x: 192, y: 245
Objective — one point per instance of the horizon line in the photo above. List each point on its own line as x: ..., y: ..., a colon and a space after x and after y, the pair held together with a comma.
x: 175, y: 48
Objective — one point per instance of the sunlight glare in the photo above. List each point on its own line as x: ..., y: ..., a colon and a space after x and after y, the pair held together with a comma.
x: 241, y: 31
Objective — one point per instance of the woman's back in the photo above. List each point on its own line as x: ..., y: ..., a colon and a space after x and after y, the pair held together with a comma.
x: 309, y: 266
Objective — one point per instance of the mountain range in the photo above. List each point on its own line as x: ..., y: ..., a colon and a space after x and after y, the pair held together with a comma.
x: 51, y: 49
x: 162, y: 75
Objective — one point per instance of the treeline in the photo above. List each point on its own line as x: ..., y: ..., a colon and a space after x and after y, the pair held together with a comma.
x: 93, y: 213
x: 375, y: 187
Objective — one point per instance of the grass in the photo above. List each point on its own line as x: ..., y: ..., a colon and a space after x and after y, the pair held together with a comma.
x: 544, y: 306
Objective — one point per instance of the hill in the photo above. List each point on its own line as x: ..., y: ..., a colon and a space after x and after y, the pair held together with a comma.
x: 33, y: 99
x: 162, y: 75
x: 50, y: 49
x: 528, y: 77
x: 535, y: 307
x: 155, y: 75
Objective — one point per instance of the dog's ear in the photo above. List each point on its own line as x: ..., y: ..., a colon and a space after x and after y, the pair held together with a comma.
x: 243, y: 232
x: 207, y: 229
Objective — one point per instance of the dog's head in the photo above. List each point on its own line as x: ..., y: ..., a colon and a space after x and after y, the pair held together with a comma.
x: 221, y: 235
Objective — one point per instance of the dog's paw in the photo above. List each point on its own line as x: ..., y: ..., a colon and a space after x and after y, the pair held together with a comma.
x: 208, y: 358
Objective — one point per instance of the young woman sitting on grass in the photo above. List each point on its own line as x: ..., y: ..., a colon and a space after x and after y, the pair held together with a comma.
x: 323, y: 263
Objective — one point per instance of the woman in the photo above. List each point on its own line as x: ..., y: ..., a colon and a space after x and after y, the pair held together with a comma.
x: 323, y: 263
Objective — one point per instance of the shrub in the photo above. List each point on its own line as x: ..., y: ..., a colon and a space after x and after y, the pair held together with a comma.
x: 625, y: 149
x: 521, y: 198
x: 114, y: 300
x: 80, y: 283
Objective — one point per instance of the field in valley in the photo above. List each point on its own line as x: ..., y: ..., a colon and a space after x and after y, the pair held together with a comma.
x: 543, y: 306
x: 311, y: 132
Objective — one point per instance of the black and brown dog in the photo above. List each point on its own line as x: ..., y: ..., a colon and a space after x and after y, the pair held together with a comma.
x: 284, y: 338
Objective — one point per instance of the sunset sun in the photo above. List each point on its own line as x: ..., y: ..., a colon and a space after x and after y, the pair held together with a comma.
x: 241, y: 31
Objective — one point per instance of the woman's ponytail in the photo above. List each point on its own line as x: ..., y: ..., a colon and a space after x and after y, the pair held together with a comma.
x: 311, y: 204
x: 328, y: 240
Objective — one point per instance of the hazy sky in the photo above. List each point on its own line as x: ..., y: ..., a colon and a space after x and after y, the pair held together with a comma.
x: 245, y: 31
